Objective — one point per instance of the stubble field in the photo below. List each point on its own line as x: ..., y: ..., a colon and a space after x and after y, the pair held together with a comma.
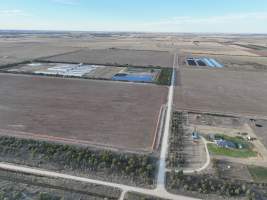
x: 222, y: 91
x: 116, y: 57
x: 109, y: 114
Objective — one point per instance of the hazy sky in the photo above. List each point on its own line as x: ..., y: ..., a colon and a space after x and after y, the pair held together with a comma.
x: 234, y: 16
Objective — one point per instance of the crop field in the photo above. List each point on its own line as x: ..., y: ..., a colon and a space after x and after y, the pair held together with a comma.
x: 260, y: 49
x: 222, y: 91
x: 243, y: 62
x: 19, y: 51
x: 212, y: 48
x: 110, y: 114
x: 117, y: 57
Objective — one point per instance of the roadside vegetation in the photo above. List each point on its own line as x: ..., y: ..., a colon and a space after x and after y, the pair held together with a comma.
x: 10, y: 65
x: 23, y: 186
x: 165, y: 76
x: 259, y: 174
x: 206, y: 184
x: 136, y: 196
x: 176, y: 156
x: 111, y: 165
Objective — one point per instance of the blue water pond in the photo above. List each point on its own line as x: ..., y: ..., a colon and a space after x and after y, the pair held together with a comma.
x: 133, y: 77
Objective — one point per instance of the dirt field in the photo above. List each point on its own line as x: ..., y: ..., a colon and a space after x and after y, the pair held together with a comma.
x: 117, y: 56
x: 113, y: 114
x: 231, y: 170
x: 261, y: 130
x: 222, y: 91
x: 20, y: 47
x: 18, y: 51
x: 216, y: 121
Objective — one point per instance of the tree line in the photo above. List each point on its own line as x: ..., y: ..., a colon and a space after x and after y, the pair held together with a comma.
x: 73, y: 157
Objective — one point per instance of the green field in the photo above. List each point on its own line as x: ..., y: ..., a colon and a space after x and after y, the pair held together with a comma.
x: 237, y: 140
x: 165, y: 77
x: 236, y: 153
x: 259, y: 174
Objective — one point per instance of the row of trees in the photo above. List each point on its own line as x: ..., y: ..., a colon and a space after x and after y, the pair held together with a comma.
x: 16, y: 195
x: 176, y: 155
x: 134, y: 166
x: 206, y: 185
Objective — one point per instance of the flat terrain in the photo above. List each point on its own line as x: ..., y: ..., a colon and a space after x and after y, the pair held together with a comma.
x: 118, y: 115
x: 19, y: 50
x: 235, y: 171
x: 259, y: 174
x: 117, y: 57
x: 222, y: 91
x: 19, y: 186
x: 261, y: 131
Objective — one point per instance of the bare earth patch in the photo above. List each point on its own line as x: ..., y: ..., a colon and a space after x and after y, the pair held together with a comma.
x: 116, y: 57
x: 112, y: 114
x: 222, y: 91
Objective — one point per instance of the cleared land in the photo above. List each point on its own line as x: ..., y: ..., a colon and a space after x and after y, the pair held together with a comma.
x: 231, y: 170
x: 111, y: 114
x: 259, y: 174
x: 117, y: 57
x: 261, y: 131
x: 222, y: 91
x: 12, y: 51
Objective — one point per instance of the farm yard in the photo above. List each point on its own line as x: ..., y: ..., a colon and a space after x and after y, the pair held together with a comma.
x: 204, y: 62
x: 235, y: 170
x: 223, y: 62
x: 102, y: 72
x: 206, y: 119
x: 242, y: 63
x: 231, y: 138
x: 109, y: 114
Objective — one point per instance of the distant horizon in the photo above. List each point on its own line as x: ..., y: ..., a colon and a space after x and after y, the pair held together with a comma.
x: 168, y: 16
x: 137, y: 32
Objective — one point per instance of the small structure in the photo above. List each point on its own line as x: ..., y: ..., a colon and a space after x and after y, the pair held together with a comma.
x: 225, y: 144
x: 195, y: 135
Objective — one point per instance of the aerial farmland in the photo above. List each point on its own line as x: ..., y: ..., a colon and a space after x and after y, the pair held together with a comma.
x: 99, y: 110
